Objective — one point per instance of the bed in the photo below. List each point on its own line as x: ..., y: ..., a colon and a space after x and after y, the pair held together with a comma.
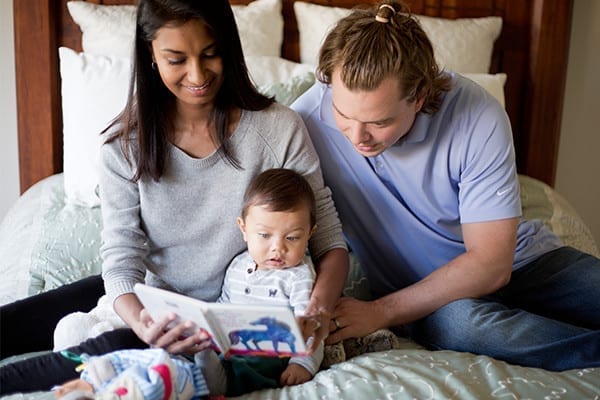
x: 51, y: 236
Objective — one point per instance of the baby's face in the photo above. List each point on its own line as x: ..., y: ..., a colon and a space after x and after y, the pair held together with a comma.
x: 276, y: 239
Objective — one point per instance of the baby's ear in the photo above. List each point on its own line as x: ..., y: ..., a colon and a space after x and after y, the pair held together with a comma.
x: 313, y: 230
x: 242, y: 226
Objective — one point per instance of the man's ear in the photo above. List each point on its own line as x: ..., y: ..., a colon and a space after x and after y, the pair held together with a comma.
x: 420, y: 101
x: 242, y: 226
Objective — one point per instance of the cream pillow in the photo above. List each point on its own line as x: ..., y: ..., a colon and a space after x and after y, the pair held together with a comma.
x: 265, y: 70
x: 462, y: 45
x: 314, y: 22
x: 493, y: 83
x: 105, y: 30
x: 94, y: 91
x: 110, y: 30
x: 260, y: 25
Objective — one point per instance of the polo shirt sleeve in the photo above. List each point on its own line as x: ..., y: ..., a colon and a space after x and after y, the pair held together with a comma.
x: 489, y: 185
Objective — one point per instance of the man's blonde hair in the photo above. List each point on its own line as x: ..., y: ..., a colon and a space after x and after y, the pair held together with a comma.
x: 373, y: 44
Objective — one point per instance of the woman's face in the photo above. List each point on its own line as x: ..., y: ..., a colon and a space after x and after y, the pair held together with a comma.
x: 188, y: 62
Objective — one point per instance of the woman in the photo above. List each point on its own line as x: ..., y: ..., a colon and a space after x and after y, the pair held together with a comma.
x: 175, y: 165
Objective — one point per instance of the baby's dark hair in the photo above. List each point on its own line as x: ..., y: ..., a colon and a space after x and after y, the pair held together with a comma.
x: 280, y: 189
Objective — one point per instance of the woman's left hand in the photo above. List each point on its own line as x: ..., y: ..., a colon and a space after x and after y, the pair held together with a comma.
x: 188, y: 344
x: 314, y: 325
x: 175, y: 338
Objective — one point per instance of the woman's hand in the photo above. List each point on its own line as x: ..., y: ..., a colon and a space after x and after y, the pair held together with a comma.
x: 314, y: 326
x: 353, y: 318
x: 176, y: 338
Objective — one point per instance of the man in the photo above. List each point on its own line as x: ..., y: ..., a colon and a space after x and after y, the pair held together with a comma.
x: 421, y: 164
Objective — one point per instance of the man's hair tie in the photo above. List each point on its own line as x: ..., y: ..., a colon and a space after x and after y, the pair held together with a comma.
x: 384, y: 13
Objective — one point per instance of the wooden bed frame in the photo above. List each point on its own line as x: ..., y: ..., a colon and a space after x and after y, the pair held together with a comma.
x: 532, y: 49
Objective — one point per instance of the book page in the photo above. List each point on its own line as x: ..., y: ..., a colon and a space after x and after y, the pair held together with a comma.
x: 270, y: 331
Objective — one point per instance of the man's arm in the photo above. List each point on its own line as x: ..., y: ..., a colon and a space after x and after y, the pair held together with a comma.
x: 485, y: 267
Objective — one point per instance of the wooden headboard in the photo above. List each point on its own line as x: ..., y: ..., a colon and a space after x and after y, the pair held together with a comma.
x: 532, y: 50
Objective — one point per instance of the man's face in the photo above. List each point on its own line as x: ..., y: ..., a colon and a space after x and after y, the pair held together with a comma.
x: 372, y: 120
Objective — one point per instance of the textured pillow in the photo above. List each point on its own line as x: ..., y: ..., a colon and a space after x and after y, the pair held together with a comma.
x: 287, y: 92
x: 493, y: 83
x: 94, y: 91
x: 104, y: 29
x: 314, y: 22
x: 67, y: 245
x: 264, y: 69
x: 462, y: 45
x: 109, y: 30
x: 260, y: 25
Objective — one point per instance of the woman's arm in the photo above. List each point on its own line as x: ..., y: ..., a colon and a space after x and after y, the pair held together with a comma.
x: 332, y: 271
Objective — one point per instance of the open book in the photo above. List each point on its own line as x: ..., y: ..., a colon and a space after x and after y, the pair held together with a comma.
x: 241, y: 329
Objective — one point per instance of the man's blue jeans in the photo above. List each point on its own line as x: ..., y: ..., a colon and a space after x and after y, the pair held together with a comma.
x: 548, y: 316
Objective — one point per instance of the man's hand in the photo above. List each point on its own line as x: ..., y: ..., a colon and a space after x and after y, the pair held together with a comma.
x: 354, y: 318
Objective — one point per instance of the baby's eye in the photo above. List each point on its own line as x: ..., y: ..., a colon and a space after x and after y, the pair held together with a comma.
x: 263, y: 235
x: 292, y: 238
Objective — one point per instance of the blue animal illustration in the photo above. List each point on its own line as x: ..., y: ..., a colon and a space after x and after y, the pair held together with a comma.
x: 275, y: 332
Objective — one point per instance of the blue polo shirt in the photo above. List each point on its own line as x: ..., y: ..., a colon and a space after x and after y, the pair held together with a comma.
x: 402, y: 210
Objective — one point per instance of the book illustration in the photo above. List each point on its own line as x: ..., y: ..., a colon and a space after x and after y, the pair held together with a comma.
x: 239, y: 329
x: 275, y: 333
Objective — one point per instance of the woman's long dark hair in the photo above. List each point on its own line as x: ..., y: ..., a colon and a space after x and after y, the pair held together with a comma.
x: 150, y: 105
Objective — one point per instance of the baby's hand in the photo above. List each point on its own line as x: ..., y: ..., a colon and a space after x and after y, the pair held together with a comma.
x: 294, y: 374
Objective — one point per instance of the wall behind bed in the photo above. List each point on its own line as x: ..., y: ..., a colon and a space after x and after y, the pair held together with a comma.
x: 9, y: 163
x: 579, y: 150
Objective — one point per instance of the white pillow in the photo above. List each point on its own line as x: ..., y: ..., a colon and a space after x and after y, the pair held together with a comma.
x: 493, y: 83
x: 110, y: 30
x: 314, y: 23
x: 106, y: 30
x: 462, y: 45
x: 260, y: 25
x: 94, y: 91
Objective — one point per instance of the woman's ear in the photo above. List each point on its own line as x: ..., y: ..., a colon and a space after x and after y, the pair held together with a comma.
x: 242, y: 226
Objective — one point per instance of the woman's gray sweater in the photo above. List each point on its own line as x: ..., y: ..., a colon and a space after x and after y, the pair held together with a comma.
x: 180, y: 233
